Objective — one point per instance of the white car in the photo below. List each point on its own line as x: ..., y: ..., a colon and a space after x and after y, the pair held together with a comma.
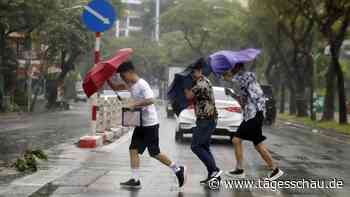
x: 81, y: 96
x: 123, y: 94
x: 229, y: 110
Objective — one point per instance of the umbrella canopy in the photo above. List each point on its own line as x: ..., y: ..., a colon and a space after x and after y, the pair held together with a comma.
x: 101, y: 72
x: 223, y: 61
x: 182, y: 80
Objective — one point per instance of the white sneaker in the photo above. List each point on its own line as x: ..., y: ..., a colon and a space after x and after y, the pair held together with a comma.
x: 217, y: 174
x: 275, y: 174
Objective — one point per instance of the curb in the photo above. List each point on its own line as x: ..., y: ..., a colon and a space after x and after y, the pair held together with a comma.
x: 90, y: 141
x: 102, y: 138
x: 343, y: 138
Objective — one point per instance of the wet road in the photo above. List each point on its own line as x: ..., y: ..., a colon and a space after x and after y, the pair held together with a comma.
x: 42, y: 130
x: 86, y: 173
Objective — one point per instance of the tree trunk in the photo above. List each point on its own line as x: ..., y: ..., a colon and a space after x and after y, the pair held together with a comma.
x: 2, y: 48
x: 292, y: 102
x: 36, y: 92
x: 301, y: 101
x: 300, y: 90
x: 312, y: 109
x: 341, y: 91
x: 282, y: 99
x: 51, y: 89
x: 328, y: 112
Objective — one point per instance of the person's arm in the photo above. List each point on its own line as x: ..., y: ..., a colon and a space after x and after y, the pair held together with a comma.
x: 142, y: 103
x: 117, y: 86
x: 242, y: 84
x: 255, y: 92
x: 189, y: 94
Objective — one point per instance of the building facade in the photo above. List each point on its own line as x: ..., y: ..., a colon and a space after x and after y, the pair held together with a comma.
x: 131, y: 21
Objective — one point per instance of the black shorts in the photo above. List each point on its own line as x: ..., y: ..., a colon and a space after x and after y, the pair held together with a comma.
x: 251, y: 130
x: 146, y: 137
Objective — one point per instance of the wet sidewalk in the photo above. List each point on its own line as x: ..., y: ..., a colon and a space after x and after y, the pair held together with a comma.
x: 76, y: 172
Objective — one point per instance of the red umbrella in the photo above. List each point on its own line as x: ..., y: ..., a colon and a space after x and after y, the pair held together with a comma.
x: 101, y: 72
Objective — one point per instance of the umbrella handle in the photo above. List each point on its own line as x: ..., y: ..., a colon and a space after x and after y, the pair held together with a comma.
x: 116, y: 93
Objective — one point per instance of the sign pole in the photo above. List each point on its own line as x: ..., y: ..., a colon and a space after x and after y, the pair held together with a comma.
x: 97, y: 47
x: 98, y: 16
x: 95, y: 96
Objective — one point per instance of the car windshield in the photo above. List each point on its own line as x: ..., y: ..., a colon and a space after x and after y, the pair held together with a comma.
x: 220, y: 95
x: 108, y: 92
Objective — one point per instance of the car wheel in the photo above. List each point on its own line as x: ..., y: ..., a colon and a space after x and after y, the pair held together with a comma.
x: 179, y: 136
x: 170, y: 114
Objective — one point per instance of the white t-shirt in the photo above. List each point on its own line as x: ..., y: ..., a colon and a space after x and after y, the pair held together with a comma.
x: 139, y: 91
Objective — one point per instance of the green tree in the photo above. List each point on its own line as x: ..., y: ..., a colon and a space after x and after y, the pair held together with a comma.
x: 192, y: 18
x: 333, y: 19
x: 22, y: 16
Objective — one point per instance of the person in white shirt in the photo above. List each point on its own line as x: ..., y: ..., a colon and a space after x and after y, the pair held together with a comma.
x: 146, y: 135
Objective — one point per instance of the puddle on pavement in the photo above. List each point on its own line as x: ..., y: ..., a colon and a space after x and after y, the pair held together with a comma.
x: 45, y: 191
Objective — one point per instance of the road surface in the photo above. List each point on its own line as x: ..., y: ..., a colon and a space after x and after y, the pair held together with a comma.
x: 302, y: 154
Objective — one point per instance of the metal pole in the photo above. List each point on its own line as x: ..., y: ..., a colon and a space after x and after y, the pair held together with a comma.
x: 29, y: 70
x: 157, y: 20
x: 117, y: 29
x: 93, y: 98
x: 127, y: 29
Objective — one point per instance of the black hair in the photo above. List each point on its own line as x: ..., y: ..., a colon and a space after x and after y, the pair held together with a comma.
x: 199, y: 64
x: 126, y: 67
x: 240, y: 65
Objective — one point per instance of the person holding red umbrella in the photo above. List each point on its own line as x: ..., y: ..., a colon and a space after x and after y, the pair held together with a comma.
x: 230, y: 65
x: 146, y: 135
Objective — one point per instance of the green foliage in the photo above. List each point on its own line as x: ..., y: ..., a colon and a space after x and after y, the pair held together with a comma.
x: 146, y: 56
x: 24, y: 15
x: 206, y: 25
x: 65, y: 36
x: 28, y: 162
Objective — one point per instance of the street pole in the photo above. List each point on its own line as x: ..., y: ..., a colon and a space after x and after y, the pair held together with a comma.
x: 117, y: 29
x: 28, y: 46
x: 157, y: 20
x: 127, y: 24
x: 93, y: 99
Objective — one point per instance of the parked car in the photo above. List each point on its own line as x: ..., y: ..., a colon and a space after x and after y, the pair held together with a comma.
x: 124, y: 94
x: 229, y: 110
x: 81, y: 96
x: 271, y: 110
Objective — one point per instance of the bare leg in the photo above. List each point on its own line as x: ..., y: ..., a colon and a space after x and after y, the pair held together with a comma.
x: 237, y: 144
x: 163, y: 159
x: 134, y: 159
x: 265, y: 155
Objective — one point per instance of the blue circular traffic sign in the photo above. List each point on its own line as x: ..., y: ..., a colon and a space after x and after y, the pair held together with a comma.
x: 99, y: 15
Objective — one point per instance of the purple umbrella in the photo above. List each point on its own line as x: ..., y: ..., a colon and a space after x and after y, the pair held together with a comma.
x: 222, y: 61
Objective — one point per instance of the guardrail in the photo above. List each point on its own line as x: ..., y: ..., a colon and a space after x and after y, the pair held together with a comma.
x: 109, y: 114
